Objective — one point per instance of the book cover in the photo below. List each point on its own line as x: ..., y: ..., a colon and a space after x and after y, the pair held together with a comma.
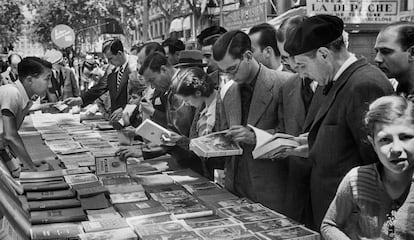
x: 215, y: 145
x: 117, y: 234
x: 94, y: 202
x: 259, y: 216
x: 152, y: 131
x: 128, y: 197
x: 270, y: 224
x: 116, y: 180
x: 57, y: 216
x: 139, y: 208
x: 244, y: 209
x: 212, y: 223
x: 55, y: 231
x: 194, y: 187
x: 182, y: 204
x: 110, y: 165
x: 174, y: 236
x: 105, y: 224
x: 297, y: 232
x: 50, y: 195
x: 223, y: 232
x: 268, y: 145
x: 53, y: 204
x: 161, y: 228
x: 102, y: 216
x: 234, y: 202
x: 101, y: 211
x: 80, y: 178
x: 150, y: 219
x: 41, y: 175
x: 125, y: 188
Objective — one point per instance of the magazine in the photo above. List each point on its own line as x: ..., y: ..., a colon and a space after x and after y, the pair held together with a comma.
x: 223, y: 232
x: 119, y: 234
x: 297, y: 232
x: 174, y: 236
x: 215, y: 145
x: 268, y: 145
x: 152, y: 131
x: 270, y: 224
x: 110, y: 165
x: 128, y: 197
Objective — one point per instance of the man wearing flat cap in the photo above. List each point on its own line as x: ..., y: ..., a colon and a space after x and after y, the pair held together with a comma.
x: 337, y: 140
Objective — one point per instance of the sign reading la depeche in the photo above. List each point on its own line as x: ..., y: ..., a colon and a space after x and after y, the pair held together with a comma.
x: 356, y: 11
x: 63, y: 36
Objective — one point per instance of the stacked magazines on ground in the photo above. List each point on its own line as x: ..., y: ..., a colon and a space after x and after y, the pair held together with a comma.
x: 100, y: 197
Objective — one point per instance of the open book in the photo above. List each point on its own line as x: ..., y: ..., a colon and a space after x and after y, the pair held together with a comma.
x: 215, y: 145
x: 267, y: 145
x: 152, y: 131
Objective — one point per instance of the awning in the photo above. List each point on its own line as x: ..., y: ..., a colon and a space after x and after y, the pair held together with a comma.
x: 176, y: 25
x: 275, y: 22
x: 187, y: 23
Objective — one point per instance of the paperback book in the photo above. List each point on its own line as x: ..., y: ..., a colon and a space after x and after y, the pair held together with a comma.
x: 223, y: 232
x: 152, y: 131
x: 128, y: 197
x: 53, y: 204
x: 55, y: 231
x: 212, y: 223
x: 57, y: 216
x: 118, y: 234
x: 50, y: 195
x: 161, y: 228
x: 259, y: 216
x: 105, y: 224
x: 110, y: 165
x: 268, y: 145
x: 140, y: 208
x: 244, y: 209
x: 296, y: 232
x: 272, y: 224
x: 190, y: 235
x: 81, y: 178
x: 215, y: 145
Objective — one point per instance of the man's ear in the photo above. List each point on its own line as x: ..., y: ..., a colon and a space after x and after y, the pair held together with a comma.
x: 248, y: 54
x: 268, y: 52
x: 28, y: 80
x: 163, y: 69
x: 323, y: 52
x: 197, y: 93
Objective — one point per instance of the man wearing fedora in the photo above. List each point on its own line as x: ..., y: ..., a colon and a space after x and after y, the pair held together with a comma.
x: 336, y: 139
x: 63, y: 84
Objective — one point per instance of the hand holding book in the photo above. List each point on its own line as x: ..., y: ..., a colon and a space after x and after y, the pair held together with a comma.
x: 244, y: 134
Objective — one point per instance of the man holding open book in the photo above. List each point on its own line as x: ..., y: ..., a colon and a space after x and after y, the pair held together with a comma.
x: 253, y: 100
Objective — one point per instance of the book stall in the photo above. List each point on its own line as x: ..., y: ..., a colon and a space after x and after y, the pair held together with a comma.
x: 91, y: 194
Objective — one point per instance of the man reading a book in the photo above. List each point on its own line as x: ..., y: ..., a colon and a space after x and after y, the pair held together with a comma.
x: 252, y: 100
x: 34, y: 77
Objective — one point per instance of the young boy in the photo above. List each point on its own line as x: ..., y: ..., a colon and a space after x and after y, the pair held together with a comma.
x: 34, y: 76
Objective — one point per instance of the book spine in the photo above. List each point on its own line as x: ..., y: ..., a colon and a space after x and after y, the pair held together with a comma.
x: 58, y: 219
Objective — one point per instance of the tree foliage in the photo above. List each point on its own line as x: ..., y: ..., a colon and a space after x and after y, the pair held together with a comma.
x: 11, y: 20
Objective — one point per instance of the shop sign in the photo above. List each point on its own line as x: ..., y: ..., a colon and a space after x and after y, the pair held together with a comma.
x: 245, y: 17
x: 406, y: 16
x: 63, y: 36
x: 356, y: 11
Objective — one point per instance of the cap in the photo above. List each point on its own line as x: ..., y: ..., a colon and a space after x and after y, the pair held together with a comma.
x: 190, y: 58
x: 313, y: 33
x: 210, y: 34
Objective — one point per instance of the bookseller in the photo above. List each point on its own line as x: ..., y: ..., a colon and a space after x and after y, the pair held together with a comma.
x: 34, y: 76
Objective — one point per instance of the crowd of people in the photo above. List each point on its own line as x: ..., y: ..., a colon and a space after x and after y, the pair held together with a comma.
x: 349, y: 178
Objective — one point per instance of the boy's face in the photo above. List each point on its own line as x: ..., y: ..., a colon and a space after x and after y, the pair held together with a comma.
x: 134, y: 98
x: 40, y: 84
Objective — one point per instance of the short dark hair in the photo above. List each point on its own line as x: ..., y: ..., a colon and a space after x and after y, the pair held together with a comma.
x: 32, y: 66
x: 405, y: 31
x: 11, y: 55
x: 151, y: 47
x: 174, y: 45
x: 267, y: 36
x: 287, y: 26
x: 154, y: 62
x: 115, y: 45
x: 192, y: 79
x: 235, y: 43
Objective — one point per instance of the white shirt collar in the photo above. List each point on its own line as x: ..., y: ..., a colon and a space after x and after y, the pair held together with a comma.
x: 280, y: 68
x: 344, y: 66
x: 125, y: 64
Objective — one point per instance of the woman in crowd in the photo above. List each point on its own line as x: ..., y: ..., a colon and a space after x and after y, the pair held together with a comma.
x: 377, y: 201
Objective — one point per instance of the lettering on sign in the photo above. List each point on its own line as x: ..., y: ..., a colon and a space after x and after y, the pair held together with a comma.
x: 356, y: 11
x: 245, y: 17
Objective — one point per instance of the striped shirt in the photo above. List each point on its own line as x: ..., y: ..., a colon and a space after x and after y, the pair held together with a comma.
x: 361, y: 205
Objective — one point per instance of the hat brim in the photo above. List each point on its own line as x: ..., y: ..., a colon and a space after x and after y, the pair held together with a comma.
x: 190, y: 65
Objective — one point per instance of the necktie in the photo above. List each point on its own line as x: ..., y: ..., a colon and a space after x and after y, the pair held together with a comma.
x: 119, y: 77
x: 327, y: 88
x: 307, y: 93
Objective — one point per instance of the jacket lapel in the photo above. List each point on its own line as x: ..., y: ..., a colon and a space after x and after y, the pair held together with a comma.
x: 337, y: 86
x: 232, y: 105
x: 262, y: 96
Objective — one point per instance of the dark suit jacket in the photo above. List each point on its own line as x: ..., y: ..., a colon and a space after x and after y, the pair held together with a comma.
x: 119, y: 97
x: 337, y: 140
x: 70, y: 86
x: 260, y: 180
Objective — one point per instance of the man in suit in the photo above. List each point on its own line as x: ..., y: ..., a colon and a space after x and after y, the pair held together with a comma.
x: 173, y: 47
x: 265, y: 49
x: 253, y: 99
x: 337, y: 140
x: 116, y: 81
x: 63, y: 84
x: 10, y: 75
x: 295, y: 99
x: 395, y: 54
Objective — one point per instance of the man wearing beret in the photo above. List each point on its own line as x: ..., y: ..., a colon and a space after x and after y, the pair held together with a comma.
x: 337, y: 140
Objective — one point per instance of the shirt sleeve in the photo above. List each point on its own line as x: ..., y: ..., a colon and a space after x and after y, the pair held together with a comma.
x: 339, y: 212
x: 10, y: 100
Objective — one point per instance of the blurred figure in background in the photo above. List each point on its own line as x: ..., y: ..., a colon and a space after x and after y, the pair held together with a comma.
x: 11, y: 75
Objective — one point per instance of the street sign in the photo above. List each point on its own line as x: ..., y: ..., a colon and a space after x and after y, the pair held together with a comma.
x: 63, y: 36
x: 245, y: 17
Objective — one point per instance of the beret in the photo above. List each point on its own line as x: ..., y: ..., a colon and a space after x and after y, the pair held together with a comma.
x: 174, y: 43
x: 210, y: 33
x: 312, y: 33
